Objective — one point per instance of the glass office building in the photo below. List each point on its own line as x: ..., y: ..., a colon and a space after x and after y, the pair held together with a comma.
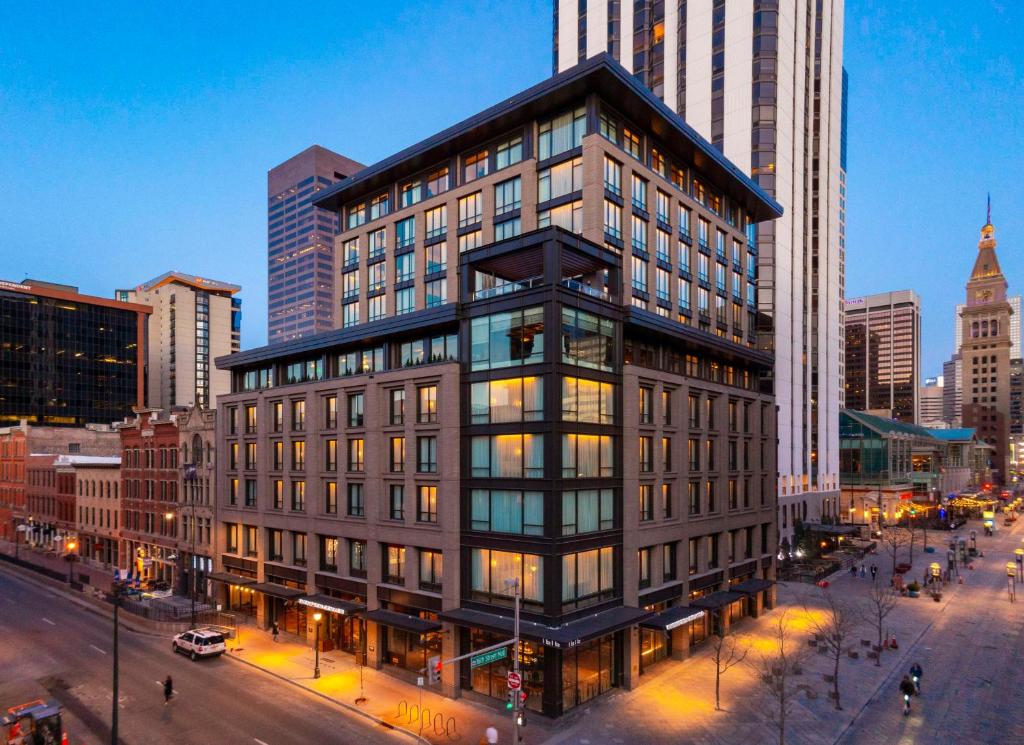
x: 67, y: 359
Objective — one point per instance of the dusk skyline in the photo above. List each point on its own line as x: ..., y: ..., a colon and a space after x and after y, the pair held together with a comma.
x: 159, y: 135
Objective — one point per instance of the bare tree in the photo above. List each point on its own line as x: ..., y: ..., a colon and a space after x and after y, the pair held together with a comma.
x: 728, y: 652
x: 880, y: 602
x: 834, y: 630
x: 893, y: 539
x: 776, y: 671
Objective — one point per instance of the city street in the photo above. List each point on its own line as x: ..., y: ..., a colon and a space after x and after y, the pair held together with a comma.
x: 52, y: 648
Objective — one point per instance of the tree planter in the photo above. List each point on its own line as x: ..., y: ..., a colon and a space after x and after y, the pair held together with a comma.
x: 912, y: 593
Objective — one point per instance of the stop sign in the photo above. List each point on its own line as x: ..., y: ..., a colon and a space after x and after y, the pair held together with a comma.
x: 515, y: 681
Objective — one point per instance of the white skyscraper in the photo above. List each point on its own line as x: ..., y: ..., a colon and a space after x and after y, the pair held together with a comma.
x: 763, y: 81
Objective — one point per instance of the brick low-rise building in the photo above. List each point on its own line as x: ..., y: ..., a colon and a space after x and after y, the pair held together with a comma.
x: 149, y: 496
x: 97, y: 490
x: 544, y: 371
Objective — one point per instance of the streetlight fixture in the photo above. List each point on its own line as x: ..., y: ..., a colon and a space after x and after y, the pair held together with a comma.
x: 71, y: 546
x: 1019, y: 556
x: 316, y: 647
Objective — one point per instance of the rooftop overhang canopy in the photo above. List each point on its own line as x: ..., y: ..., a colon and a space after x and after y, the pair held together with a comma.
x: 601, y: 75
x: 672, y: 618
x: 567, y: 635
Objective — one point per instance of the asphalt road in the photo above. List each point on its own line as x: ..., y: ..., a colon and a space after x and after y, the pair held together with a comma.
x: 52, y: 648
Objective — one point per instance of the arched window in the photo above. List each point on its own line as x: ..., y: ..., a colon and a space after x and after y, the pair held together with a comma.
x: 974, y: 329
x: 994, y: 328
x: 197, y: 449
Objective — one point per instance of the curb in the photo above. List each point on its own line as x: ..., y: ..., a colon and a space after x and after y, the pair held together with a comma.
x: 365, y: 714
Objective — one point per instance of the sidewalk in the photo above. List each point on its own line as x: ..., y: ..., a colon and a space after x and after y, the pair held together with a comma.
x: 389, y: 701
x: 98, y: 576
x: 675, y: 701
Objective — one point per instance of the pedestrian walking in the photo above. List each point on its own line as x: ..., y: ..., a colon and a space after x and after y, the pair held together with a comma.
x: 853, y: 570
x: 168, y: 690
x: 874, y: 572
x: 862, y: 573
x: 274, y: 630
x: 916, y: 672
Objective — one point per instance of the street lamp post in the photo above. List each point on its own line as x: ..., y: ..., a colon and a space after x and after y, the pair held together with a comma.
x: 316, y: 646
x: 1011, y: 578
x: 71, y: 546
x: 1019, y: 556
x: 190, y: 480
x: 517, y: 717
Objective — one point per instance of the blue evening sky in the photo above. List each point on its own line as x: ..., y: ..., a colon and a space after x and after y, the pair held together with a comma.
x: 136, y: 137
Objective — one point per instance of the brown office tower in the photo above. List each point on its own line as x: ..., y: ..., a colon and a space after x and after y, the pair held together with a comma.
x: 883, y: 354
x: 545, y: 375
x: 985, y: 350
x: 300, y: 244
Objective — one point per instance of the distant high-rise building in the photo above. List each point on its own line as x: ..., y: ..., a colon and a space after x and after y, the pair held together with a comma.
x: 300, y: 244
x: 1016, y: 396
x: 68, y: 359
x: 883, y: 353
x: 931, y: 400
x: 763, y: 82
x: 194, y: 320
x: 952, y: 391
x: 1015, y: 334
x: 985, y: 349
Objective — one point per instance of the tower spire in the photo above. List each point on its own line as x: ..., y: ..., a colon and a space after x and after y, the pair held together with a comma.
x: 988, y: 210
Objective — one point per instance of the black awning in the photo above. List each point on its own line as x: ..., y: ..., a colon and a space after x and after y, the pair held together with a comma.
x: 403, y: 621
x: 716, y: 600
x: 832, y: 529
x: 332, y: 605
x: 567, y: 635
x: 751, y: 586
x: 671, y: 618
x: 277, y: 591
x: 230, y: 579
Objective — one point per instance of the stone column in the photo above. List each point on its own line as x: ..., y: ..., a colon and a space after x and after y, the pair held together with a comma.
x: 631, y: 658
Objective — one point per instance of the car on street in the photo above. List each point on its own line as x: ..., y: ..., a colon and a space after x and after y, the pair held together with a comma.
x: 199, y: 643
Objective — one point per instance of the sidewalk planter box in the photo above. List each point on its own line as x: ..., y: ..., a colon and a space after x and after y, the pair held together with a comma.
x: 912, y: 593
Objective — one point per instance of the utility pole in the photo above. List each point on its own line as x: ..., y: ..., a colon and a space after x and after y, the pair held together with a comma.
x: 116, y: 696
x: 517, y: 706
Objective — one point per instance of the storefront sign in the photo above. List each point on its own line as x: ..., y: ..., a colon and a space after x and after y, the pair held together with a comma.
x: 559, y: 645
x: 693, y: 617
x: 488, y: 657
x: 320, y: 606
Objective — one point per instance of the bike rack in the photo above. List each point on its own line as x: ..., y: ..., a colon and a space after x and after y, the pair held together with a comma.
x: 403, y: 709
x: 449, y: 729
x: 416, y: 708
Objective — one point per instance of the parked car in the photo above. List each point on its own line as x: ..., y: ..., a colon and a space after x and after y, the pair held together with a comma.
x: 199, y: 643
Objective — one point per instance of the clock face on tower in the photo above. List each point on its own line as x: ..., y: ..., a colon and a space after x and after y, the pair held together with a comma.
x: 983, y: 296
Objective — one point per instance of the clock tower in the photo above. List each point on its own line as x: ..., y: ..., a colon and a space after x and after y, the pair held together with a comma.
x: 985, y: 351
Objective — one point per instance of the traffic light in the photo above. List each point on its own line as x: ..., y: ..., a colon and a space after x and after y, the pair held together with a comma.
x: 521, y: 718
x: 434, y: 670
x: 510, y: 700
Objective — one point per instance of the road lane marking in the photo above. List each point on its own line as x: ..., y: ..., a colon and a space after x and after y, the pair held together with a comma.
x: 49, y: 621
x: 260, y: 742
x: 97, y: 649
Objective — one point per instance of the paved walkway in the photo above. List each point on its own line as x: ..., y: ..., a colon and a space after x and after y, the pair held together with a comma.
x: 388, y: 699
x: 973, y: 662
x: 675, y: 703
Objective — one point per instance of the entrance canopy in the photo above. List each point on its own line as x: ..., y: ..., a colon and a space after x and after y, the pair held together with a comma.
x: 277, y: 591
x: 402, y: 621
x: 231, y: 579
x: 751, y: 586
x: 332, y: 605
x: 717, y: 600
x: 566, y: 635
x: 672, y: 618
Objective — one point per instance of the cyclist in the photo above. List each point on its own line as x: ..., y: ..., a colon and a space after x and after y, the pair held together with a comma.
x: 907, y: 689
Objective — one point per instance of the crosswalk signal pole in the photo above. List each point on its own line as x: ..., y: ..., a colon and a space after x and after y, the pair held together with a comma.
x: 517, y: 703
